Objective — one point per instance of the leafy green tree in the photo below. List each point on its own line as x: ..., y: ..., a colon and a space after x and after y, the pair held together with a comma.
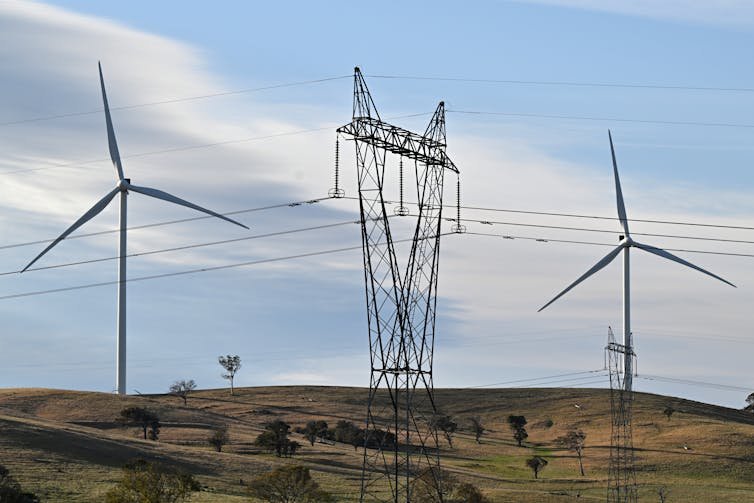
x: 231, y: 364
x: 145, y: 482
x: 574, y: 440
x: 146, y: 419
x: 288, y: 484
x: 537, y: 464
x: 446, y: 425
x: 10, y: 489
x: 275, y: 439
x: 182, y: 388
x: 219, y: 438
x: 517, y: 424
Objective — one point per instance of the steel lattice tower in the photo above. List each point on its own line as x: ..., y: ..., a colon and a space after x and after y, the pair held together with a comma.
x: 621, y: 484
x: 401, y: 302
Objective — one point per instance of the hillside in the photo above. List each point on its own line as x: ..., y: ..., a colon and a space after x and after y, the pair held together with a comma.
x: 67, y: 445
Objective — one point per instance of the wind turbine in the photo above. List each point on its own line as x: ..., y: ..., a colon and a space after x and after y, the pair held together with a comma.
x: 626, y: 244
x: 123, y: 187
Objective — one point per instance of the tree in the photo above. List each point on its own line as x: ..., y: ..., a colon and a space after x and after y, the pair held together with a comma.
x: 288, y: 484
x: 182, y: 388
x: 444, y: 423
x: 517, y: 424
x: 219, y: 438
x: 537, y: 464
x: 151, y: 483
x: 275, y: 439
x: 574, y: 440
x: 750, y: 403
x: 663, y: 493
x: 348, y: 433
x: 477, y: 427
x: 144, y: 418
x: 10, y: 489
x: 668, y: 411
x: 315, y: 430
x: 427, y: 487
x: 231, y: 364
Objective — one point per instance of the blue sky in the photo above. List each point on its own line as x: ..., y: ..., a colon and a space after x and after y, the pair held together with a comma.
x: 304, y: 321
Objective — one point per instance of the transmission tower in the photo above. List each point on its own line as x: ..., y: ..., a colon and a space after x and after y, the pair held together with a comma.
x: 399, y: 444
x: 621, y: 483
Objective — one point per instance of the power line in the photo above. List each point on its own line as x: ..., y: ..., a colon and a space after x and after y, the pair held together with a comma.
x: 604, y: 119
x: 517, y: 381
x: 187, y: 247
x: 195, y: 147
x: 567, y: 241
x: 171, y: 222
x: 563, y: 83
x: 193, y: 271
x: 579, y: 215
x: 688, y: 382
x: 176, y: 100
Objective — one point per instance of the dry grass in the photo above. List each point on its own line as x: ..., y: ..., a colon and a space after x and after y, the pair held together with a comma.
x: 67, y: 446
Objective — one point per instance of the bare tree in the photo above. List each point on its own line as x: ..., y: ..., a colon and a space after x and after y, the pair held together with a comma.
x: 574, y: 440
x: 231, y: 364
x: 663, y: 492
x: 477, y: 428
x: 182, y: 388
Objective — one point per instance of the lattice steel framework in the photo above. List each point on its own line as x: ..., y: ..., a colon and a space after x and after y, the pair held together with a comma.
x: 399, y: 443
x: 621, y: 483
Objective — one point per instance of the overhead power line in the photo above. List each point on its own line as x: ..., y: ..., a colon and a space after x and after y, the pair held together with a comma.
x: 604, y: 119
x: 177, y: 100
x: 565, y: 83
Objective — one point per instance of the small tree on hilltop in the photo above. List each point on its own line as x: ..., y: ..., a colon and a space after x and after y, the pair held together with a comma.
x: 182, y: 388
x: 219, y: 438
x: 288, y: 484
x: 148, y: 482
x: 537, y: 464
x: 574, y: 440
x: 231, y: 364
x: 477, y: 427
x: 517, y: 424
x: 146, y: 419
x: 750, y: 403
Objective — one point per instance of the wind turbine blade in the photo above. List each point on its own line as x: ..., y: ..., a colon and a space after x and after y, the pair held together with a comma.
x: 114, y: 154
x: 618, y: 192
x: 93, y: 212
x: 662, y: 253
x: 599, y: 265
x: 159, y: 194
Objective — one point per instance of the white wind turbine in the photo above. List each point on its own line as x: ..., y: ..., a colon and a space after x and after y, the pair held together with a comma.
x: 123, y: 186
x: 626, y: 244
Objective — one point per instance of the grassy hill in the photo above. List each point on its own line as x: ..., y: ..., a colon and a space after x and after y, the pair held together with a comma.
x: 68, y: 446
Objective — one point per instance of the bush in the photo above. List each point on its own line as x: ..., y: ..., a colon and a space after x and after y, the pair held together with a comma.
x: 288, y: 484
x: 145, y: 482
x: 10, y: 490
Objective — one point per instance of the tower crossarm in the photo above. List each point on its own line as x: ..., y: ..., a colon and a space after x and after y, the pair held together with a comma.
x: 398, y: 141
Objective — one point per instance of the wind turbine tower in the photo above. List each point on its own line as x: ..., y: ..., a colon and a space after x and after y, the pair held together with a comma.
x: 122, y: 187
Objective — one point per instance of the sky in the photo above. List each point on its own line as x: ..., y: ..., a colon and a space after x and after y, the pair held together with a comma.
x: 234, y: 106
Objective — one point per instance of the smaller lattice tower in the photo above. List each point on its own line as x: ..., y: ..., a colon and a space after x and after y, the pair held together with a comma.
x: 621, y: 484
